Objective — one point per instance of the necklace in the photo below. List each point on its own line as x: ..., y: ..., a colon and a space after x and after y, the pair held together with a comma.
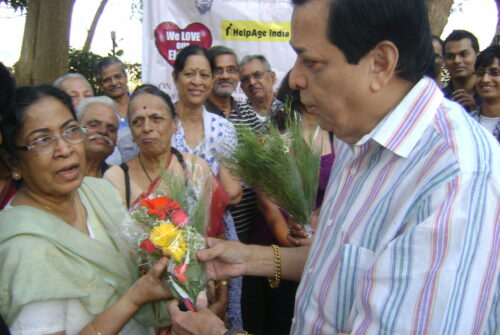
x: 144, y: 168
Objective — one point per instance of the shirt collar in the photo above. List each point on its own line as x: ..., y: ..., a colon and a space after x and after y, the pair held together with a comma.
x: 403, y: 127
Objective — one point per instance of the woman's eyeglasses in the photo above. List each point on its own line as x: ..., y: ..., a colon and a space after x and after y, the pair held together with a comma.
x: 46, y: 144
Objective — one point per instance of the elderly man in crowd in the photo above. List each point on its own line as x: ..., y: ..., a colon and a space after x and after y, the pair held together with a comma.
x: 100, y: 116
x: 76, y: 86
x: 460, y: 51
x: 408, y: 237
x: 221, y: 102
x: 111, y: 76
x: 257, y: 82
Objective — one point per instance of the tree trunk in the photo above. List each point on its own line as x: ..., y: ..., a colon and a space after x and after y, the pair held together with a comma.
x: 93, y: 26
x: 24, y: 66
x: 45, y: 48
x: 439, y: 11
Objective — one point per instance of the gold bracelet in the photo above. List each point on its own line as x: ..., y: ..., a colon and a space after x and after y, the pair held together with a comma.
x: 95, y: 328
x: 275, y: 282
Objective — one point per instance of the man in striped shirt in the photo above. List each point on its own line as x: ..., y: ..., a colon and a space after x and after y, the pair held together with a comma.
x: 221, y: 102
x: 408, y: 238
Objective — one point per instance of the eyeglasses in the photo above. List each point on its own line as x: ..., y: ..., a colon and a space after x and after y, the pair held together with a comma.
x: 46, y: 144
x: 490, y: 72
x: 229, y: 70
x: 257, y: 75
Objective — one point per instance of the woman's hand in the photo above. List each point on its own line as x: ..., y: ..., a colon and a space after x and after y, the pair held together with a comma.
x: 218, y: 297
x: 203, y: 321
x: 150, y: 287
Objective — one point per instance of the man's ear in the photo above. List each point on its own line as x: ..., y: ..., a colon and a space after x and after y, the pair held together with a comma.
x: 384, y: 60
x: 273, y: 76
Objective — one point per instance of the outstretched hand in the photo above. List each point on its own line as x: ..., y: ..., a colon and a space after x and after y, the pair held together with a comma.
x: 203, y: 321
x: 224, y: 259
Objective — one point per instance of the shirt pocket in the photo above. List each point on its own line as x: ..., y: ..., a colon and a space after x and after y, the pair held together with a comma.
x: 354, y: 263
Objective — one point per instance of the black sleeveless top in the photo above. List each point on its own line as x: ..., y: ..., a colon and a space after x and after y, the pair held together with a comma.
x: 124, y: 167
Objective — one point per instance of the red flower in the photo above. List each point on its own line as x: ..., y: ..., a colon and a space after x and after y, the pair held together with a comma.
x: 160, y: 206
x: 180, y: 272
x: 179, y: 218
x: 148, y: 246
x: 260, y: 139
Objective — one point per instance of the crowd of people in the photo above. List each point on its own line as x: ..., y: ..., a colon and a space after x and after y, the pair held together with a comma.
x: 407, y: 218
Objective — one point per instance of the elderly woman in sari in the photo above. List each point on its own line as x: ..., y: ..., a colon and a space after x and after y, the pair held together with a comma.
x: 152, y: 119
x: 60, y: 270
x: 99, y: 116
x: 206, y: 135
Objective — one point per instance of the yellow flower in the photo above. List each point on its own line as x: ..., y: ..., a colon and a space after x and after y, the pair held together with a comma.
x: 168, y: 237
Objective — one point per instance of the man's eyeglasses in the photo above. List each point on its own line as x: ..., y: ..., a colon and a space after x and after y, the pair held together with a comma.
x: 257, y: 75
x: 229, y: 70
x: 46, y: 144
x: 491, y: 72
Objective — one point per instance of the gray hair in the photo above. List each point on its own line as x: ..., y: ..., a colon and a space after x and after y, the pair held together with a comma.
x: 104, y: 63
x: 59, y: 81
x: 218, y: 50
x: 102, y: 100
x: 261, y: 58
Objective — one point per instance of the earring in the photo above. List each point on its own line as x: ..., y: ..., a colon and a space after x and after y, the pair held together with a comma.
x: 16, y: 175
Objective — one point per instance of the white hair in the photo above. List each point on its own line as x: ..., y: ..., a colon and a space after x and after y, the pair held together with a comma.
x: 59, y: 81
x: 101, y: 100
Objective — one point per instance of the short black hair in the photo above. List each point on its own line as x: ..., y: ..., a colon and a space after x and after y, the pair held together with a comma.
x: 153, y: 90
x: 457, y: 35
x: 14, y: 119
x: 487, y: 56
x: 191, y: 50
x: 104, y: 63
x: 357, y: 26
x: 218, y: 50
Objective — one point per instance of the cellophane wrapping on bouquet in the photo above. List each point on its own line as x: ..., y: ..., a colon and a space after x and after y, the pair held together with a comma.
x: 171, y: 220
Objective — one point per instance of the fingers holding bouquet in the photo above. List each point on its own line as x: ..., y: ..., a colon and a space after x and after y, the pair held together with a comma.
x: 224, y: 259
x: 151, y: 286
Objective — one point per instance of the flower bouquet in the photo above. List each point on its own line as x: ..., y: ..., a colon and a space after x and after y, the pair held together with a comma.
x: 176, y: 229
x: 285, y: 166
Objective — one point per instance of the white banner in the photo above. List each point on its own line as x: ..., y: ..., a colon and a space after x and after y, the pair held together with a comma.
x: 247, y: 26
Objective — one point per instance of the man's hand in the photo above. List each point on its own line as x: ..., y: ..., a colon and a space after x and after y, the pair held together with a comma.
x: 203, y: 321
x: 224, y: 259
x: 465, y: 99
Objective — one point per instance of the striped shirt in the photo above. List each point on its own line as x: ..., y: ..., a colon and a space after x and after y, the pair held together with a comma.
x: 245, y: 212
x: 409, y: 234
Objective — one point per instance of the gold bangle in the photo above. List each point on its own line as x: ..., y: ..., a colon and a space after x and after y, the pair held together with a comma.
x: 275, y: 282
x: 223, y: 282
x: 95, y: 328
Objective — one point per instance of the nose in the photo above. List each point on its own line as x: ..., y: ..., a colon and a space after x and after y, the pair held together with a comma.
x: 252, y: 80
x: 147, y: 127
x: 61, y: 147
x: 297, y: 79
x: 458, y: 59
x: 224, y: 74
x: 197, y: 79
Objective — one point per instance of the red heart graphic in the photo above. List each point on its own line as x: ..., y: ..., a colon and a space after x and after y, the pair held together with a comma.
x: 169, y: 38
